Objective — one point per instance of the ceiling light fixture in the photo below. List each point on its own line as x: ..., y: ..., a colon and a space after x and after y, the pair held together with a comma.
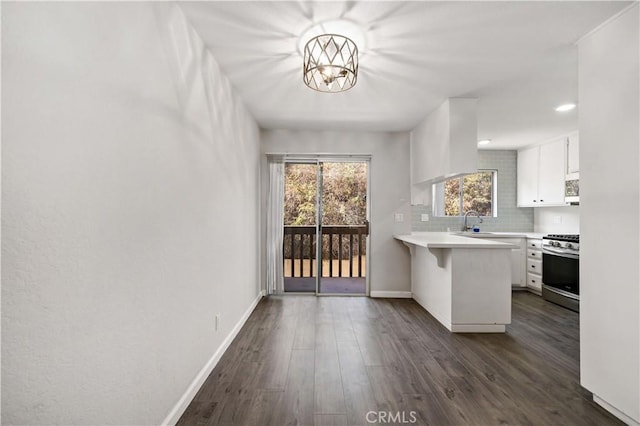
x: 330, y: 63
x: 565, y: 107
x: 484, y: 142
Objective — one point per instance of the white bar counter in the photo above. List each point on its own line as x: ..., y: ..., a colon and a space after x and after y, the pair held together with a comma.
x: 465, y: 283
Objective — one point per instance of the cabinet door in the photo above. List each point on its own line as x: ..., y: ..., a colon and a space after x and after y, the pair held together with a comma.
x: 552, y: 173
x: 518, y: 264
x: 573, y: 156
x: 528, y: 177
x: 517, y: 260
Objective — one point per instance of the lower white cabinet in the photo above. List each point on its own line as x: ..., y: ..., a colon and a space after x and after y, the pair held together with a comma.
x: 518, y: 256
x: 534, y: 283
x: 534, y: 265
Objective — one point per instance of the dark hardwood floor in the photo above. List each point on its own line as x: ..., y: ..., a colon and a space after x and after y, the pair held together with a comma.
x: 304, y: 360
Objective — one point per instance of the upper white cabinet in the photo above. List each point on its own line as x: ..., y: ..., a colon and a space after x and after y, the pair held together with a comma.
x: 573, y: 149
x: 552, y: 175
x: 528, y: 160
x: 445, y: 143
x: 541, y: 175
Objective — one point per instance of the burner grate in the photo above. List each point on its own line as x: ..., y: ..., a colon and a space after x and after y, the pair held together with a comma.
x: 573, y: 238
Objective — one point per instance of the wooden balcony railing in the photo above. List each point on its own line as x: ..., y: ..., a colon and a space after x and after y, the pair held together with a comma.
x: 344, y: 243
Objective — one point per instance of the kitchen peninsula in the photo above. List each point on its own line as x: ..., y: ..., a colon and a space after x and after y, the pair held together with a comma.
x: 465, y: 283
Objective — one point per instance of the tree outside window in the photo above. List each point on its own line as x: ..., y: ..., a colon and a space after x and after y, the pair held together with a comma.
x: 455, y: 197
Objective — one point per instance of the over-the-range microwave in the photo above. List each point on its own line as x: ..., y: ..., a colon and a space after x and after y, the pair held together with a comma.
x: 572, y: 188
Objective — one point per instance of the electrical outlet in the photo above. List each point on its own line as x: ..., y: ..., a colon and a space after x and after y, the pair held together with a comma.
x: 217, y: 321
x: 399, y: 217
x: 424, y: 217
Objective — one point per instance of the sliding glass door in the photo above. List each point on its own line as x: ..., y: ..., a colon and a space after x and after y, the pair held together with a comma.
x: 344, y: 227
x: 326, y: 227
x: 300, y: 227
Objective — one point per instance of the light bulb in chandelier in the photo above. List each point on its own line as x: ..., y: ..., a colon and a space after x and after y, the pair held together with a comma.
x: 330, y: 73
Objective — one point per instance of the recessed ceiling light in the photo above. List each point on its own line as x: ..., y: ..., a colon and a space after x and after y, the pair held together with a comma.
x: 484, y: 142
x: 565, y: 107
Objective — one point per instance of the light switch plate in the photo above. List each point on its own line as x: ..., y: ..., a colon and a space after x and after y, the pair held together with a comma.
x: 424, y: 217
x: 399, y: 217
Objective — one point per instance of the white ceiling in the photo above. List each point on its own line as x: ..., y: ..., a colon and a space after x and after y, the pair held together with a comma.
x: 518, y: 58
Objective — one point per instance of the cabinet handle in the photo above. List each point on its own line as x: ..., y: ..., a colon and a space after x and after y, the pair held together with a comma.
x: 533, y: 281
x: 534, y: 201
x: 533, y: 254
x: 533, y: 266
x: 542, y: 201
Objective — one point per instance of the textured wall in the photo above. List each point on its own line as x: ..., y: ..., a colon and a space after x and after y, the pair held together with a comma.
x: 510, y: 217
x: 130, y: 211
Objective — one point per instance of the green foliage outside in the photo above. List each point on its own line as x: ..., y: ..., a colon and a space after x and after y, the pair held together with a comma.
x: 470, y: 192
x: 300, y: 194
x: 343, y: 197
x: 343, y: 200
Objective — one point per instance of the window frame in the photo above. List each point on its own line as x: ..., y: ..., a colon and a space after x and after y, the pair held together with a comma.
x: 438, y: 201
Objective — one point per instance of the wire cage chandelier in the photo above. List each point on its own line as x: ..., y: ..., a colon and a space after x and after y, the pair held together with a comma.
x: 330, y: 63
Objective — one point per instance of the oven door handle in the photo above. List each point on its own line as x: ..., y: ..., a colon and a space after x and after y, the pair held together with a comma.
x: 553, y: 252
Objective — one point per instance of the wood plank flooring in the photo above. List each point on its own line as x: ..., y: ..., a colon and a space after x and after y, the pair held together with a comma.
x: 304, y: 360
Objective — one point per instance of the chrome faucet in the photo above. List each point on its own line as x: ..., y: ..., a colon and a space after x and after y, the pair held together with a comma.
x: 465, y: 227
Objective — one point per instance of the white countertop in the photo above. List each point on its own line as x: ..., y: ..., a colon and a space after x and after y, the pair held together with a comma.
x: 535, y: 235
x: 449, y: 240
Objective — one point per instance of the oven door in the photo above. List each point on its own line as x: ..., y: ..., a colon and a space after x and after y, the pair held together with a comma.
x: 561, y: 270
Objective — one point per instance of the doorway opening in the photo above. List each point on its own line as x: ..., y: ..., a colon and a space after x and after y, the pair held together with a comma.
x: 326, y: 227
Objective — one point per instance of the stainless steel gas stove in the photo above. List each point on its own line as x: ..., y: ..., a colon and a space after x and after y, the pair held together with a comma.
x: 561, y: 270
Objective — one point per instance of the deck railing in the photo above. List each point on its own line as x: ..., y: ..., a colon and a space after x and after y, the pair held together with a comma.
x: 344, y: 243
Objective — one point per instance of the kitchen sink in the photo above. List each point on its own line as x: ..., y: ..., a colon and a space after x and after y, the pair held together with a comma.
x: 473, y: 234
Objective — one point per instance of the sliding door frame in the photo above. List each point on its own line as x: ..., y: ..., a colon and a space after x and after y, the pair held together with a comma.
x: 319, y: 160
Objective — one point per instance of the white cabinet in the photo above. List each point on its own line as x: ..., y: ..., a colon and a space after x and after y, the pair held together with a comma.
x: 445, y: 143
x: 551, y: 179
x: 527, y: 184
x: 534, y: 265
x: 573, y: 153
x: 541, y: 174
x: 518, y: 256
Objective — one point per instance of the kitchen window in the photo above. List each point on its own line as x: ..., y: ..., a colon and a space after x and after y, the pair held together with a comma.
x: 477, y: 191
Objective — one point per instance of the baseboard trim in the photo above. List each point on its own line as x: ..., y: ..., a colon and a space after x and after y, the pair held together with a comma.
x: 477, y: 328
x: 392, y: 294
x: 613, y: 410
x: 178, y: 410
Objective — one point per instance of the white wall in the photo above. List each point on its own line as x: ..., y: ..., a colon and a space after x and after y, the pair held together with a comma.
x: 389, y: 259
x: 556, y: 220
x: 130, y: 211
x: 609, y: 230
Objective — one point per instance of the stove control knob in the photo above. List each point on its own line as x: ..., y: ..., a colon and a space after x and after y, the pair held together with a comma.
x: 569, y: 245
